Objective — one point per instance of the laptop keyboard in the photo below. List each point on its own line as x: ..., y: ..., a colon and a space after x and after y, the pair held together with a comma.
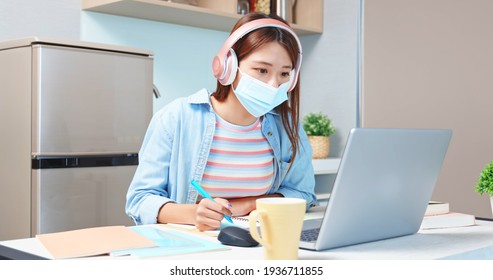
x: 310, y: 235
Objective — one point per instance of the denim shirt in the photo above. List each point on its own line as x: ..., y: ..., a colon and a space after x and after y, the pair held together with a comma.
x: 175, y: 150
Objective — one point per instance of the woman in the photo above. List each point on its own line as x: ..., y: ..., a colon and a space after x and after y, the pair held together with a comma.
x: 241, y: 142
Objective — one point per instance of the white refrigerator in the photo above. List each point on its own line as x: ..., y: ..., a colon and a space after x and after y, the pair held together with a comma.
x: 73, y: 115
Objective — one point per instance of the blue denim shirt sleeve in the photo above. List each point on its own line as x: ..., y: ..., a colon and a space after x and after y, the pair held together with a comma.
x: 148, y: 190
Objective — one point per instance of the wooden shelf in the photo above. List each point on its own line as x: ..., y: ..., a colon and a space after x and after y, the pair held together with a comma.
x: 176, y: 13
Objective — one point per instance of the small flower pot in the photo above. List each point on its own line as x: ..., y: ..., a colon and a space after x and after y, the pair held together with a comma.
x: 491, y: 201
x: 320, y: 146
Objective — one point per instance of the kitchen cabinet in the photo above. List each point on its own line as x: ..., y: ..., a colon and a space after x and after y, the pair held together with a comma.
x: 210, y: 14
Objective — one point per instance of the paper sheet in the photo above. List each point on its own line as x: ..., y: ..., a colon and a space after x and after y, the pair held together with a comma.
x: 92, y: 241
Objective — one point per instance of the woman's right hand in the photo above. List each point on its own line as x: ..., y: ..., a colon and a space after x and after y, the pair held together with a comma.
x: 209, y: 214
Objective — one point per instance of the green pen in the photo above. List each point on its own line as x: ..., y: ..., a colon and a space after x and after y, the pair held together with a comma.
x: 206, y: 195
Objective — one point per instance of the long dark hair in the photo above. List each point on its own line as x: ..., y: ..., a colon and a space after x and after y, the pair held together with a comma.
x: 289, y: 110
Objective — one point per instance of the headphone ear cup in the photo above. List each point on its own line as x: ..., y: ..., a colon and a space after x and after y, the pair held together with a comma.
x: 230, y: 68
x: 294, y: 74
x: 217, y: 67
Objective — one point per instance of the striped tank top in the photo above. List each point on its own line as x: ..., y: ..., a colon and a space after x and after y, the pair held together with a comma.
x: 240, y: 161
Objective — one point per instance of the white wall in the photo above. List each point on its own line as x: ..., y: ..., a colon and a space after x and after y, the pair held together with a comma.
x: 329, y: 78
x: 50, y: 18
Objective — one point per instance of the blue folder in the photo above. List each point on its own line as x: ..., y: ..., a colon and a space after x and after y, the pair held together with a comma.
x: 170, y: 242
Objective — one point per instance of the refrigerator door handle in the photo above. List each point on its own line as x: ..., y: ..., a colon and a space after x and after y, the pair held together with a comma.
x: 74, y: 161
x: 156, y: 92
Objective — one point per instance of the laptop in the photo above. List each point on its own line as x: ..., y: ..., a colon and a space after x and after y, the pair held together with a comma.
x: 383, y: 185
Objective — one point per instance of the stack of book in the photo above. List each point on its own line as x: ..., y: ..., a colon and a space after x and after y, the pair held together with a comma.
x: 438, y: 215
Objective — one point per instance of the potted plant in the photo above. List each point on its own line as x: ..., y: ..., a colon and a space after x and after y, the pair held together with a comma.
x: 485, y: 182
x: 319, y: 128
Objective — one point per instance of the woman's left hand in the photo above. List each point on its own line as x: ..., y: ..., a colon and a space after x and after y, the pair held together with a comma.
x: 243, y: 206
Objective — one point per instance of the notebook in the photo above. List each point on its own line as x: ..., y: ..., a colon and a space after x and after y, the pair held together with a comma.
x: 384, y: 183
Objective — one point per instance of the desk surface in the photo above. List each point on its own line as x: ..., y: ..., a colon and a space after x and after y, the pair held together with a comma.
x: 425, y: 245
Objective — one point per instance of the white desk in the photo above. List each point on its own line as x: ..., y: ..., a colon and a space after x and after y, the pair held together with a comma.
x: 425, y: 245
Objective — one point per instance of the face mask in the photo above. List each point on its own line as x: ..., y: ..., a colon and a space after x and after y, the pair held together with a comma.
x: 257, y: 97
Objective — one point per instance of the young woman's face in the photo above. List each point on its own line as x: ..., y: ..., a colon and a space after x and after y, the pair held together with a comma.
x: 270, y: 64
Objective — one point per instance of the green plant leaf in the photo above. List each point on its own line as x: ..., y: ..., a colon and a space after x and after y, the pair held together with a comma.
x: 318, y: 124
x: 485, y: 180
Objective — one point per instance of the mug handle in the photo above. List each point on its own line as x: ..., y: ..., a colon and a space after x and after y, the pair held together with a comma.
x: 254, y: 215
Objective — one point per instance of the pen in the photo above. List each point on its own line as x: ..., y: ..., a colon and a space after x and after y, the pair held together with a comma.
x: 206, y: 195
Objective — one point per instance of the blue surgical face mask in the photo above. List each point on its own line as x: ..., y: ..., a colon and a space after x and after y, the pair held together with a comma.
x: 257, y: 97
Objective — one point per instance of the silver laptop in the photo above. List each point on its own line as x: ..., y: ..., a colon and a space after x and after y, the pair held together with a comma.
x: 382, y: 188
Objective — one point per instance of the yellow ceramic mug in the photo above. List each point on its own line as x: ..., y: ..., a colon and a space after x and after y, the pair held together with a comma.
x: 280, y: 221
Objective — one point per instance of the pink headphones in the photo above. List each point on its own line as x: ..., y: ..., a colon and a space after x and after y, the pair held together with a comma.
x: 225, y: 63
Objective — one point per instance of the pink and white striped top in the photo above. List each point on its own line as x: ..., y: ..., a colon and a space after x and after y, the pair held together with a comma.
x: 240, y: 162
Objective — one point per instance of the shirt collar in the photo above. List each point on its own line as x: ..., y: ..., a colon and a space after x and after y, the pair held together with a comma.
x: 200, y: 97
